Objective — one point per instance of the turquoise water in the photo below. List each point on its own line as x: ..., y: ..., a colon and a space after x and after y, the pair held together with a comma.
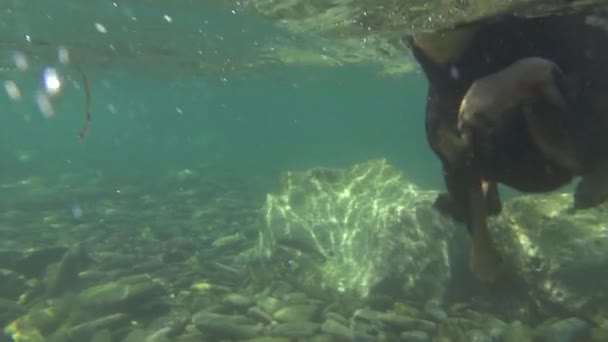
x: 149, y: 115
x: 175, y: 217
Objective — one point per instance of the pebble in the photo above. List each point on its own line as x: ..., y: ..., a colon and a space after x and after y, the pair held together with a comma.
x: 298, y: 312
x: 237, y: 301
x: 226, y: 326
x: 337, y: 330
x: 270, y: 304
x: 257, y: 313
x: 414, y: 336
x: 567, y: 330
x: 295, y: 330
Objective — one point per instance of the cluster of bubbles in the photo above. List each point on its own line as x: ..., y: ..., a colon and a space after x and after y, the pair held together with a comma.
x: 51, y: 82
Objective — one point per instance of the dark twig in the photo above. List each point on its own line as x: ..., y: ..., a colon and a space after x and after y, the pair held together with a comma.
x: 87, y: 92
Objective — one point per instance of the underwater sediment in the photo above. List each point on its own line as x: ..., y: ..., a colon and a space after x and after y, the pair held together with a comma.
x: 331, y: 255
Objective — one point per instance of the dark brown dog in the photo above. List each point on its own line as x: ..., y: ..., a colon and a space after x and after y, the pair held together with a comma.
x: 520, y: 102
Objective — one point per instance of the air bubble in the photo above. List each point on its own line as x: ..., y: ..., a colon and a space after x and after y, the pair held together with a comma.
x: 12, y: 90
x: 454, y: 72
x: 63, y: 55
x: 100, y: 28
x: 20, y: 61
x: 44, y: 105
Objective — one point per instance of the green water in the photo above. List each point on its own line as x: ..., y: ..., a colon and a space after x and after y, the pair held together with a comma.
x: 150, y: 116
x: 170, y: 211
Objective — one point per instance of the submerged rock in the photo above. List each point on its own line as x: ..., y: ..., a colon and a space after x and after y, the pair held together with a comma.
x: 85, y: 331
x: 220, y: 326
x: 336, y: 329
x: 415, y: 336
x: 516, y: 332
x: 357, y: 232
x: 12, y: 284
x: 9, y: 310
x: 269, y: 304
x: 169, y: 325
x: 560, y: 256
x: 567, y: 330
x: 37, y: 323
x: 129, y: 293
x: 295, y: 329
x: 34, y: 262
x: 65, y: 276
x: 298, y: 312
x: 260, y: 315
x: 237, y: 301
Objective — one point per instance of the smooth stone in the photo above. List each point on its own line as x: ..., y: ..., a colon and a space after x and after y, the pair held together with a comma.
x: 85, y: 330
x: 324, y: 338
x: 281, y: 288
x: 268, y: 339
x: 206, y: 316
x: 494, y: 328
x: 443, y: 339
x: 461, y: 323
x: 414, y: 336
x: 365, y: 325
x: 296, y: 298
x: 449, y: 331
x: 152, y: 265
x: 368, y: 316
x: 229, y: 330
x: 435, y: 312
x: 337, y: 330
x: 225, y: 326
x: 194, y: 336
x: 161, y: 335
x: 102, y: 336
x: 171, y: 324
x: 65, y: 277
x: 477, y: 335
x: 336, y: 317
x: 403, y: 323
x: 599, y: 335
x: 298, y: 312
x: 516, y: 332
x: 36, y: 320
x: 270, y: 304
x: 295, y: 329
x: 238, y: 301
x: 258, y: 314
x: 567, y: 330
x: 124, y: 293
x: 136, y: 335
x: 114, y: 260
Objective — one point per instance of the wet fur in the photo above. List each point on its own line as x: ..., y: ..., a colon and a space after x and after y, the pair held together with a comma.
x: 516, y: 158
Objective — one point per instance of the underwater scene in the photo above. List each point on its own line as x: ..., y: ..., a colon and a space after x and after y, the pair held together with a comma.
x: 297, y: 170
